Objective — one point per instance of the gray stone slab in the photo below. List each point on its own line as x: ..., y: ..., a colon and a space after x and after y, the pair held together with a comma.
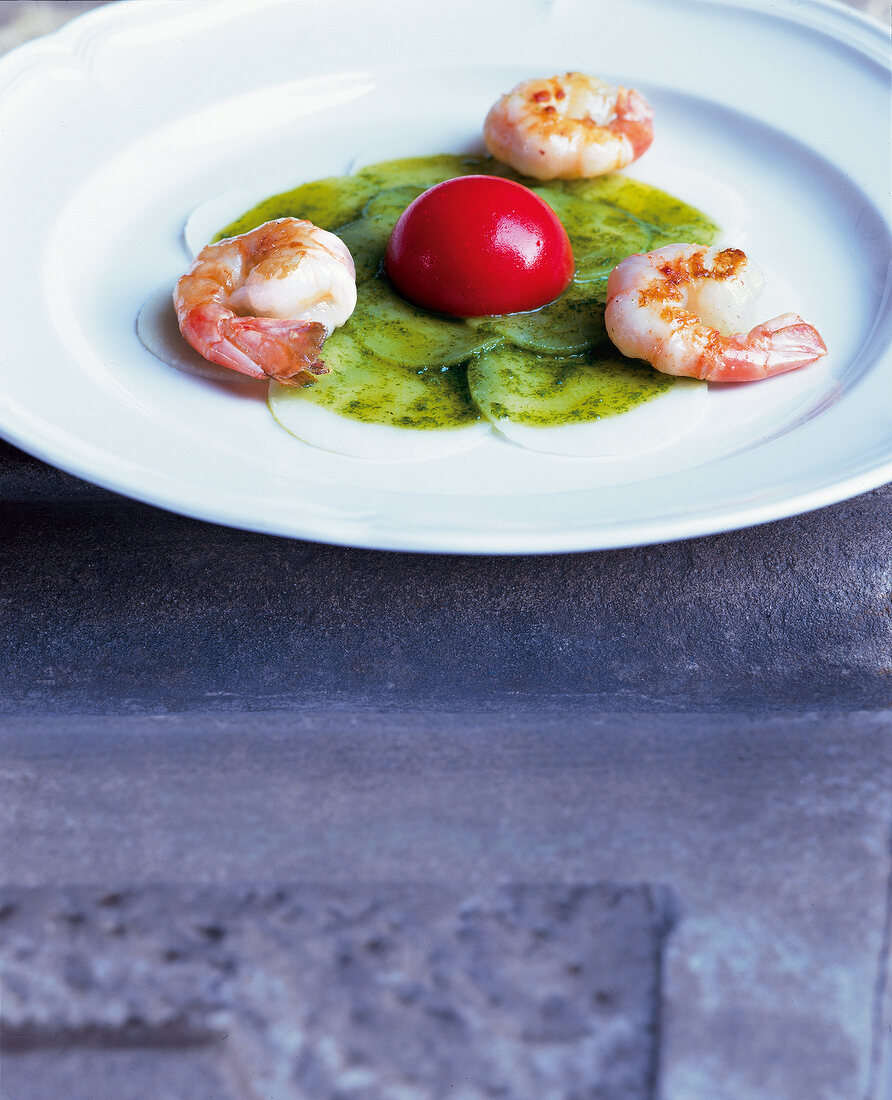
x: 319, y: 993
x: 24, y: 479
x: 120, y: 608
x: 772, y: 834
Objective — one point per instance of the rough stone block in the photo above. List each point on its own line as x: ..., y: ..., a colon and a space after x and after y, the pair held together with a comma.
x: 320, y: 993
x: 772, y: 834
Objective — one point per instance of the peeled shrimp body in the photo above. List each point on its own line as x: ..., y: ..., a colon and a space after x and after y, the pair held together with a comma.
x: 264, y: 302
x: 568, y: 127
x: 677, y: 308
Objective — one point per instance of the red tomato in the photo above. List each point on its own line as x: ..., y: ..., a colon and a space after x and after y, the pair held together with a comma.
x: 478, y: 246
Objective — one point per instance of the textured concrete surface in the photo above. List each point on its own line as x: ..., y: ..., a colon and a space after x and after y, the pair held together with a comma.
x: 771, y: 834
x: 400, y: 993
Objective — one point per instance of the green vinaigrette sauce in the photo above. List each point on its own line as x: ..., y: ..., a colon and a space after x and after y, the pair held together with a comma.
x: 396, y: 364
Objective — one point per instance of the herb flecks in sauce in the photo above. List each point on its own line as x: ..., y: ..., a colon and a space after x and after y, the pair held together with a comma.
x: 367, y: 387
x: 393, y: 363
x: 509, y: 383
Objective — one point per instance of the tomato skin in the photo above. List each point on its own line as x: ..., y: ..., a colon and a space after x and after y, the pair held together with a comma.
x: 479, y: 246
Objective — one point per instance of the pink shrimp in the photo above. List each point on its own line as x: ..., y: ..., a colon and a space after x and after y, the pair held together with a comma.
x: 677, y: 308
x: 568, y: 127
x: 264, y: 302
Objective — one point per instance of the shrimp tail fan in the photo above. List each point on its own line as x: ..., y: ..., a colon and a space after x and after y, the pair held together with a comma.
x: 787, y: 342
x: 287, y: 351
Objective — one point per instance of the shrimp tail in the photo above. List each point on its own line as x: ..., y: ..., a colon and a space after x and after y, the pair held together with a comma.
x: 782, y: 344
x: 634, y: 119
x: 285, y: 350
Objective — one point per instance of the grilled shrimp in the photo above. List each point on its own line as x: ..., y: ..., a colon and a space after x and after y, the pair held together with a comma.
x: 264, y: 302
x: 568, y: 127
x: 677, y: 309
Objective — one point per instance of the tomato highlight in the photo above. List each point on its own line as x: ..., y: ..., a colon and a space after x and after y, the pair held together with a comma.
x: 479, y: 246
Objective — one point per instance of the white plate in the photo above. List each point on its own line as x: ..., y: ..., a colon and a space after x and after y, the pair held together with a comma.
x: 771, y: 116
